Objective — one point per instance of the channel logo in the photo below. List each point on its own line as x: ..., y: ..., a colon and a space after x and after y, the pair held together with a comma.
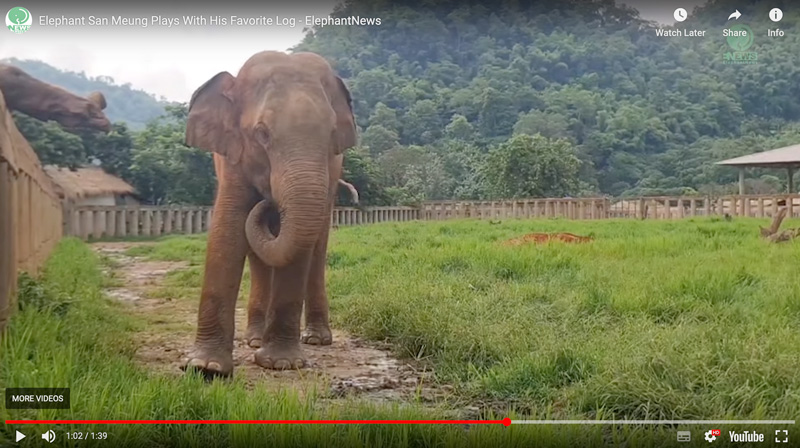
x: 712, y: 434
x: 18, y: 20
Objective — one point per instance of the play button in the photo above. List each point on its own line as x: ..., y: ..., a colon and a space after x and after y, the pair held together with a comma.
x: 20, y: 436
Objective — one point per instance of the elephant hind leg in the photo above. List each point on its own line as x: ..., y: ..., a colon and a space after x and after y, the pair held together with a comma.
x: 317, y: 331
x: 260, y: 290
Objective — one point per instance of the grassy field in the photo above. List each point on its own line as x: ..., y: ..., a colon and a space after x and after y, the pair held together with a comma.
x: 693, y: 319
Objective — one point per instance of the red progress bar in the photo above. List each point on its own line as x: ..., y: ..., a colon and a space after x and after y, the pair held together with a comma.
x: 506, y: 422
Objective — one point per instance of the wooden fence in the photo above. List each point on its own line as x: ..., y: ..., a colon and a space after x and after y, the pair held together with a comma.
x: 130, y: 221
x: 755, y: 206
x: 30, y: 212
x: 567, y: 208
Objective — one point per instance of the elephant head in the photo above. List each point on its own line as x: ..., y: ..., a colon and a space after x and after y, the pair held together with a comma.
x: 84, y: 113
x: 45, y: 101
x: 283, y: 123
x: 18, y: 15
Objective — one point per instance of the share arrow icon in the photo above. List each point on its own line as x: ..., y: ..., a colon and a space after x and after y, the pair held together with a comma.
x: 20, y: 436
x: 736, y: 14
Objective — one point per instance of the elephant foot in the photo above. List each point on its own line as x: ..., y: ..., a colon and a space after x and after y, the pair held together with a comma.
x: 253, y: 335
x: 210, y: 362
x: 319, y: 334
x: 281, y: 356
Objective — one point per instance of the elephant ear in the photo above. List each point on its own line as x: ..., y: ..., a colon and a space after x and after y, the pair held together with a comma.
x: 213, y: 122
x: 345, y: 120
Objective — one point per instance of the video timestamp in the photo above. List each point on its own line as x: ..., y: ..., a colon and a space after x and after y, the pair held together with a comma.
x: 87, y: 435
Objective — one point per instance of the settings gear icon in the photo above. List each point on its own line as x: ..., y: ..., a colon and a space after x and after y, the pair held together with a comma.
x: 710, y: 437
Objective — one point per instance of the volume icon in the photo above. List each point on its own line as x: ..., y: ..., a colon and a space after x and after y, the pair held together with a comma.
x: 50, y: 436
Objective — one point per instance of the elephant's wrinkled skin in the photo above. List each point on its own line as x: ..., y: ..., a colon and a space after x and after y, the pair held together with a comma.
x: 279, y: 130
x: 45, y: 101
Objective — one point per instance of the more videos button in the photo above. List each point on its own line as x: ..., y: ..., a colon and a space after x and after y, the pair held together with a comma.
x: 37, y: 398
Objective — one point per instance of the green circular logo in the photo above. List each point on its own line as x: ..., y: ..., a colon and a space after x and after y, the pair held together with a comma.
x: 18, y: 20
x: 740, y: 37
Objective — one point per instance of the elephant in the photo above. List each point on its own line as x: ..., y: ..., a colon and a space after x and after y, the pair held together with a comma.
x: 18, y: 15
x: 278, y: 130
x: 44, y: 101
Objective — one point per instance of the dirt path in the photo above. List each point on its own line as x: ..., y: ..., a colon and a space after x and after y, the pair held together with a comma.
x: 347, y: 367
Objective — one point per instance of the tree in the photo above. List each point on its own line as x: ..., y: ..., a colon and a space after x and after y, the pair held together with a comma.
x: 51, y: 142
x: 459, y: 128
x: 532, y: 166
x: 421, y: 123
x: 165, y: 170
x: 548, y: 124
x: 114, y: 150
x: 379, y: 139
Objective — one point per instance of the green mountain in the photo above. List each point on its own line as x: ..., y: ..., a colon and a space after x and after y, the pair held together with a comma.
x: 132, y: 106
x: 645, y: 114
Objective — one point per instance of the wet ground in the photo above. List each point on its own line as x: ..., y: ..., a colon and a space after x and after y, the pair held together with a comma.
x: 348, y: 367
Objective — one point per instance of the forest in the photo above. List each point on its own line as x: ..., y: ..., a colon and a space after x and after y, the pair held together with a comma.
x: 466, y: 101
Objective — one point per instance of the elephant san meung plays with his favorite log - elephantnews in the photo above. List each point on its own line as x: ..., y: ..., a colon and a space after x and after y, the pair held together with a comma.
x: 279, y: 130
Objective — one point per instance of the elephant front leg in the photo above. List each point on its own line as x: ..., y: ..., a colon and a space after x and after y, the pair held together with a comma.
x: 257, y: 306
x: 225, y: 254
x: 280, y: 348
x: 317, y: 331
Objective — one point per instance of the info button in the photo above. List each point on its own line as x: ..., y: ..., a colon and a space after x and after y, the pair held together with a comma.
x: 37, y: 398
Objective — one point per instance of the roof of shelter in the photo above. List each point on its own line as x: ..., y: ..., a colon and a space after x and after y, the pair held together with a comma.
x: 776, y: 158
x: 87, y: 182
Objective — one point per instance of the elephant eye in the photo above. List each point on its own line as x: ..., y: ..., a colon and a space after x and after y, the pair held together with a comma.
x: 262, y: 135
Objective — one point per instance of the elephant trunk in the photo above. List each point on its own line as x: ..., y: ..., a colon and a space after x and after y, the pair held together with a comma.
x: 302, y: 197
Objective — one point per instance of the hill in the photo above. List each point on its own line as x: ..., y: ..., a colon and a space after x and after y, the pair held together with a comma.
x: 134, y: 107
x: 645, y: 114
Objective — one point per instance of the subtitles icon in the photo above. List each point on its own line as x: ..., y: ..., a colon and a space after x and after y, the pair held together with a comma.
x: 684, y: 436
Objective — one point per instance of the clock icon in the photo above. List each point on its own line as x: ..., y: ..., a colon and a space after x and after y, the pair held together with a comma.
x: 680, y: 14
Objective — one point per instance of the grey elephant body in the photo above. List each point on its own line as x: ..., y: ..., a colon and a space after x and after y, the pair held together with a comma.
x: 279, y: 130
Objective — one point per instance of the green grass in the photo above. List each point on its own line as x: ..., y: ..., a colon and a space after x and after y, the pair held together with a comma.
x: 692, y: 319
x: 696, y: 319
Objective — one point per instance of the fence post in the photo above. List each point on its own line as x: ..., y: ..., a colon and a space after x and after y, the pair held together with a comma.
x: 198, y: 221
x: 147, y: 225
x: 135, y: 221
x: 187, y: 225
x: 98, y: 219
x: 111, y: 222
x: 122, y: 222
x: 158, y: 222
